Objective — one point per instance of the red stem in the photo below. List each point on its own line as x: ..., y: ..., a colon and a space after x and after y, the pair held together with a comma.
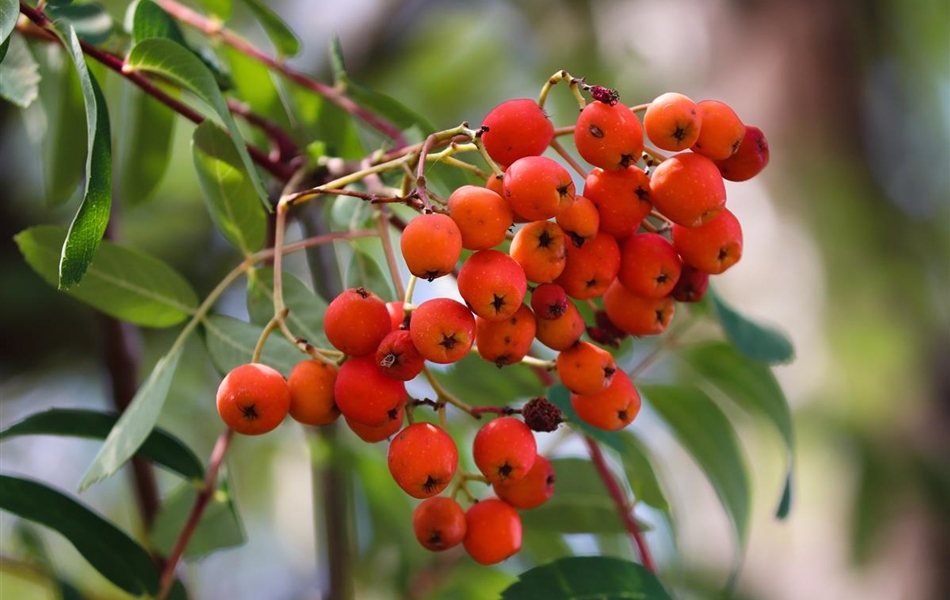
x: 620, y: 500
x: 333, y: 94
x: 207, y: 491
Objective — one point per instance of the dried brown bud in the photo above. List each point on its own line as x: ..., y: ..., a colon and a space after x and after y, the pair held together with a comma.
x: 541, y: 415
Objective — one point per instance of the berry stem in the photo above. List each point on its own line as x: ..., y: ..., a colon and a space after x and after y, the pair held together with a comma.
x: 410, y: 289
x: 557, y: 78
x: 446, y: 396
x: 201, y: 502
x: 533, y: 361
x: 563, y: 153
x: 640, y: 107
x: 273, y: 324
x: 382, y: 226
x: 620, y: 501
x: 566, y: 130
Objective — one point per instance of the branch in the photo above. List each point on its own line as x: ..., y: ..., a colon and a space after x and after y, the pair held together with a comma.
x: 620, y: 500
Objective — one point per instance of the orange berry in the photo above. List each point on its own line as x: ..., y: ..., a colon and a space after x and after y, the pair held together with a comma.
x: 397, y: 356
x: 439, y: 523
x: 492, y: 531
x: 442, y: 330
x: 397, y: 314
x: 712, y: 247
x: 253, y: 399
x: 483, y: 217
x: 623, y: 199
x: 516, y: 128
x: 635, y: 314
x: 541, y: 250
x: 493, y: 284
x: 608, y: 136
x: 423, y: 459
x: 548, y: 301
x: 537, y: 187
x: 611, y: 409
x: 585, y: 369
x: 371, y: 434
x: 504, y: 449
x: 672, y: 122
x: 363, y: 394
x: 356, y: 321
x: 691, y: 286
x: 749, y: 160
x: 311, y: 393
x: 580, y: 221
x: 688, y: 189
x: 590, y: 268
x: 532, y: 490
x: 562, y: 332
x: 649, y: 265
x: 722, y: 130
x: 506, y: 342
x: 431, y: 245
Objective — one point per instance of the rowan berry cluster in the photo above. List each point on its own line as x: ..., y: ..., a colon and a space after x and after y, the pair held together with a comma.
x: 646, y: 231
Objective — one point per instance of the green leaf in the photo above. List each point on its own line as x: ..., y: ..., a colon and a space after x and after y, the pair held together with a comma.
x: 9, y: 13
x: 580, y: 503
x: 159, y: 447
x: 638, y: 467
x: 218, y: 8
x: 255, y: 85
x: 231, y: 343
x: 324, y: 121
x: 122, y: 282
x: 381, y: 104
x: 702, y: 428
x: 151, y: 21
x: 136, y: 423
x: 146, y: 144
x: 110, y: 550
x: 480, y: 382
x: 285, y: 40
x: 169, y: 59
x: 220, y: 525
x: 367, y: 268
x: 19, y: 73
x: 228, y: 190
x: 561, y: 397
x: 306, y: 308
x: 91, y: 21
x: 752, y: 386
x: 758, y: 342
x: 90, y: 222
x: 587, y: 578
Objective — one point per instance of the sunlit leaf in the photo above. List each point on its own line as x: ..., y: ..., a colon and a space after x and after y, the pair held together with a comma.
x: 280, y: 34
x: 758, y: 342
x: 160, y: 447
x: 19, y: 73
x: 220, y: 526
x: 702, y: 428
x: 752, y: 386
x: 228, y: 191
x: 122, y: 282
x: 587, y: 578
x: 136, y: 423
x: 169, y: 59
x: 151, y: 21
x: 231, y: 343
x: 108, y: 549
x: 90, y: 222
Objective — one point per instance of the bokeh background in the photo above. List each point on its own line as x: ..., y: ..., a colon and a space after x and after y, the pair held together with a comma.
x: 847, y: 249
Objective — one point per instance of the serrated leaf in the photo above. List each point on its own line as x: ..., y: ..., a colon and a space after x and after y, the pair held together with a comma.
x: 638, y: 467
x: 220, y: 526
x: 91, y: 21
x: 305, y: 318
x: 229, y: 194
x: 381, y: 104
x: 752, y: 386
x: 136, y: 423
x: 580, y: 503
x: 9, y: 13
x: 285, y: 40
x: 587, y: 578
x: 151, y: 21
x: 218, y: 8
x: 19, y: 73
x: 89, y: 224
x: 124, y: 283
x: 146, y: 144
x: 703, y: 429
x: 758, y: 342
x: 108, y: 549
x: 169, y: 59
x: 230, y: 343
x: 561, y: 397
x: 160, y: 447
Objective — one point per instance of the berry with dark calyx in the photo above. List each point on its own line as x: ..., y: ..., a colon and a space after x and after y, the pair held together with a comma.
x: 439, y: 523
x: 537, y: 187
x: 540, y: 247
x: 356, y: 321
x: 516, y: 128
x: 431, y: 245
x: 253, y: 399
x: 590, y: 269
x: 688, y: 189
x: 398, y: 357
x: 623, y: 199
x: 540, y: 414
x: 608, y: 136
x: 423, y: 459
x: 363, y: 394
x: 585, y: 369
x: 713, y: 247
x: 611, y: 409
x: 373, y: 434
x: 749, y: 160
x: 504, y: 449
x: 672, y: 122
x: 691, y: 286
x: 493, y: 531
x: 492, y: 284
x: 311, y: 393
x: 649, y: 265
x: 548, y: 301
x: 443, y: 330
x: 635, y: 314
x: 722, y: 130
x: 580, y: 221
x: 531, y: 491
x: 506, y: 342
x: 562, y: 332
x: 483, y: 217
